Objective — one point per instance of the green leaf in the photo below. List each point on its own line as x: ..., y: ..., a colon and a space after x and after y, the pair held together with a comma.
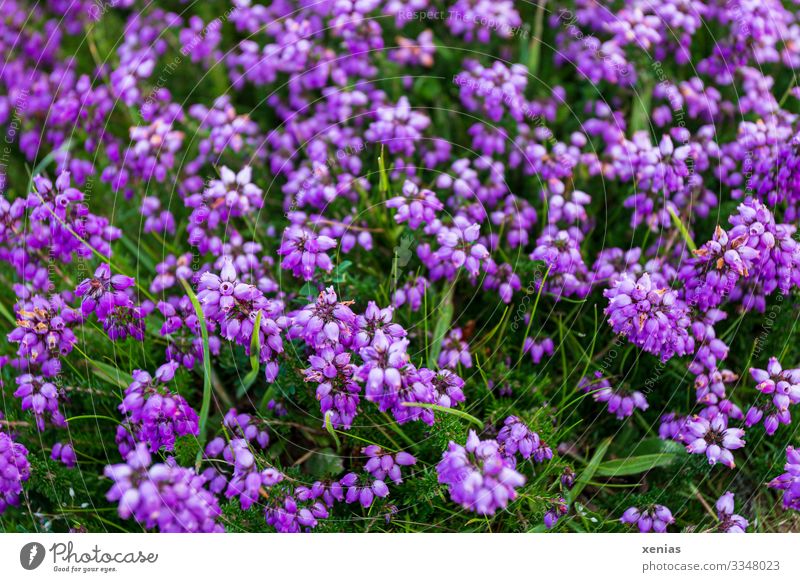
x: 307, y: 290
x: 255, y: 348
x: 442, y: 325
x: 324, y: 464
x: 206, y: 406
x: 587, y: 474
x: 330, y: 429
x: 383, y: 181
x: 445, y: 410
x: 634, y: 465
x: 687, y: 238
x: 112, y: 374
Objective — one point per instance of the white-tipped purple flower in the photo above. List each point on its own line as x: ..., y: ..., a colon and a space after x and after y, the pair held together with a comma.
x: 714, y: 439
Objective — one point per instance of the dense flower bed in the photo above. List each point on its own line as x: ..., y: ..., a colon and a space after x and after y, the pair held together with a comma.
x: 399, y: 266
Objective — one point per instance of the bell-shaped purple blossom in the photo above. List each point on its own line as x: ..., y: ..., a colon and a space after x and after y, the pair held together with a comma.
x: 382, y: 465
x: 100, y: 288
x: 730, y: 522
x: 303, y: 251
x: 477, y: 475
x: 41, y: 397
x: 337, y: 389
x: 165, y: 496
x: 789, y: 481
x: 718, y: 265
x: 538, y: 350
x: 326, y: 322
x: 64, y: 453
x: 779, y: 390
x: 459, y: 246
x: 455, y: 351
x: 713, y: 438
x: 43, y: 332
x: 373, y: 319
x: 415, y: 206
x: 153, y: 413
x: 652, y: 318
x: 654, y: 519
x: 515, y: 437
x: 398, y: 127
x: 14, y: 469
x: 411, y: 293
x: 234, y: 305
x: 555, y: 512
x: 619, y: 401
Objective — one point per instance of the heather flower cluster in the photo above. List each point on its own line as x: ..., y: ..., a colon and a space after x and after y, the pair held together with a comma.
x: 478, y: 476
x: 396, y: 265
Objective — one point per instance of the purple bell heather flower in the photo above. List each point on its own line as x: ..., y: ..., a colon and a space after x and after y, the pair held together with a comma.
x: 337, y: 390
x: 14, y: 469
x: 153, y: 147
x: 415, y: 206
x: 460, y: 248
x: 383, y: 361
x: 303, y: 251
x: 789, y: 482
x: 41, y: 397
x: 411, y: 293
x: 494, y: 90
x: 43, y: 332
x: 455, y: 351
x: 399, y: 127
x: 568, y: 478
x: 155, y: 415
x: 560, y: 251
x: 170, y: 271
x: 713, y: 438
x: 538, y: 350
x: 94, y: 290
x: 717, y: 266
x: 502, y: 278
x: 244, y: 426
x: 651, y: 318
x: 673, y: 427
x: 289, y: 517
x: 619, y: 401
x: 326, y: 322
x: 729, y: 521
x: 515, y: 437
x: 779, y: 390
x: 182, y: 330
x: 156, y: 220
x: 235, y: 305
x: 166, y: 496
x: 374, y: 318
x: 477, y: 475
x: 64, y: 453
x: 655, y: 519
x: 121, y: 318
x: 467, y: 17
x: 382, y: 465
x: 556, y: 511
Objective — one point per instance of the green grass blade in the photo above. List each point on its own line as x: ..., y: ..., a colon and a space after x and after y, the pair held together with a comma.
x: 445, y: 410
x: 206, y: 405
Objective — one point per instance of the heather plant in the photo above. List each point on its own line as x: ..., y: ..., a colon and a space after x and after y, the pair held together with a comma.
x: 388, y: 266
